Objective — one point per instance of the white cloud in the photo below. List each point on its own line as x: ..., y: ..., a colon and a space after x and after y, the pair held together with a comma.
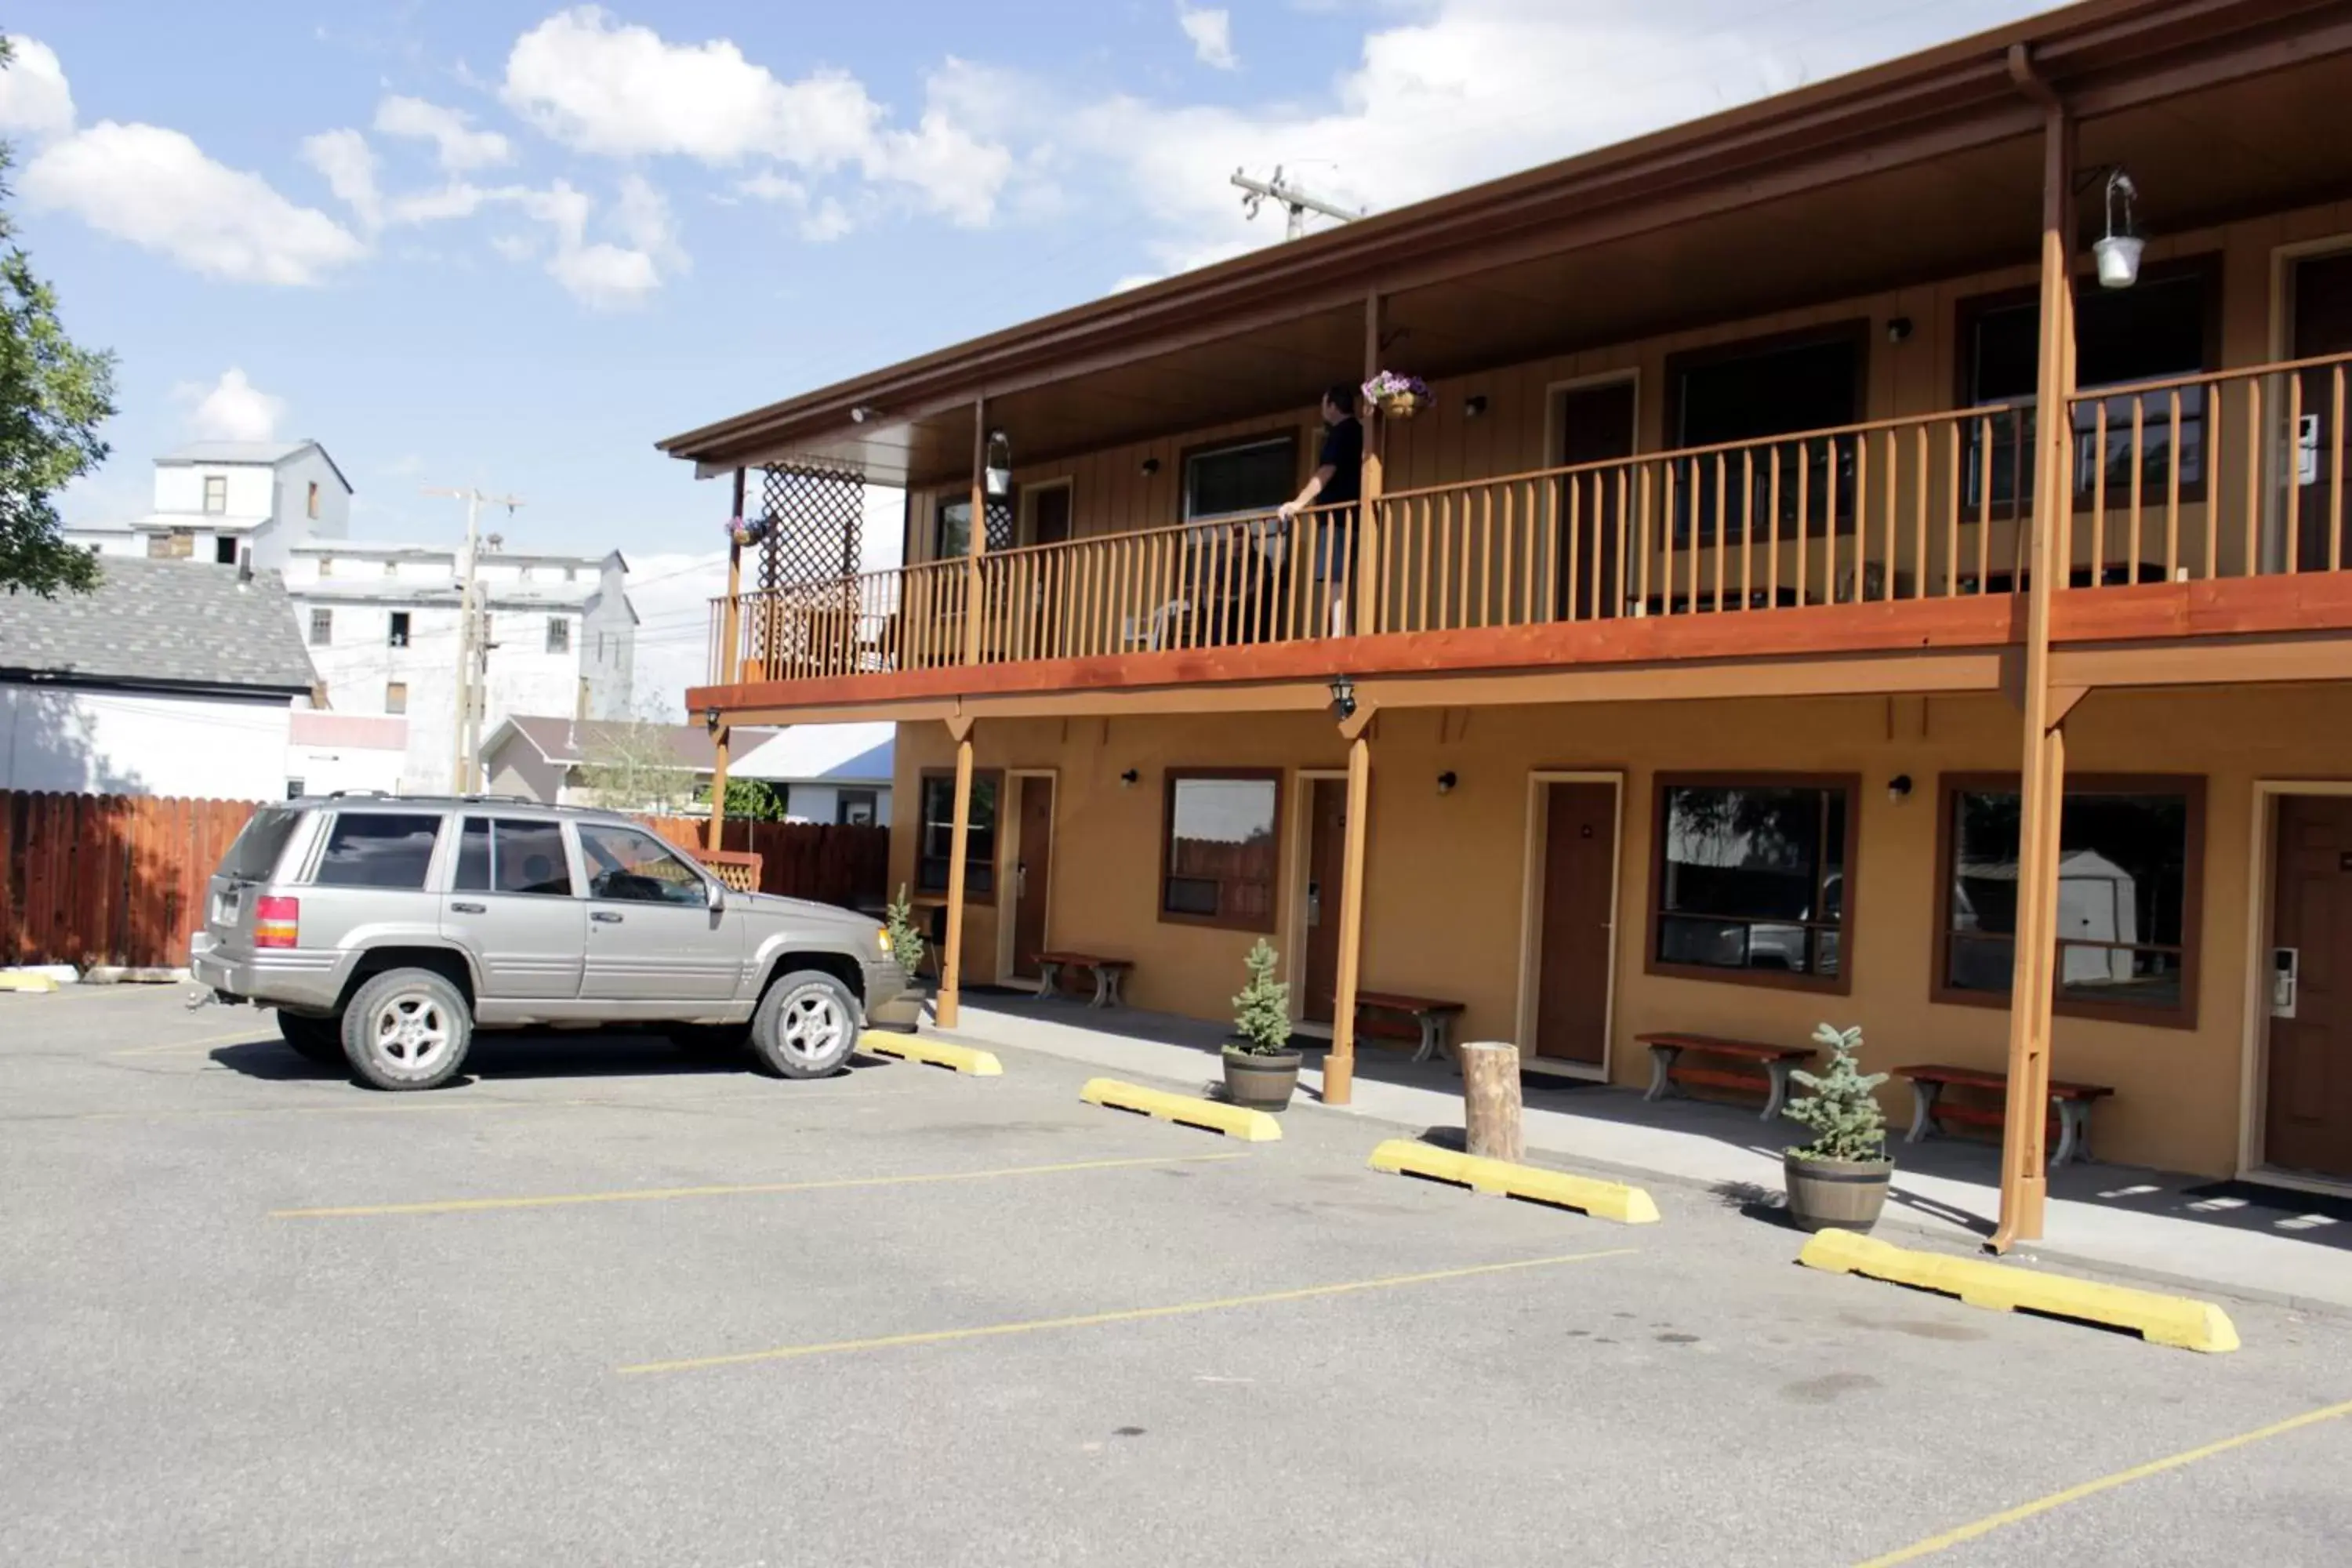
x: 643, y: 216
x: 230, y: 409
x: 156, y: 188
x: 826, y: 222
x: 606, y: 277
x: 1211, y: 32
x: 459, y: 145
x: 455, y: 200
x: 599, y: 274
x: 767, y: 186
x: 598, y: 86
x: 34, y: 98
x: 345, y: 158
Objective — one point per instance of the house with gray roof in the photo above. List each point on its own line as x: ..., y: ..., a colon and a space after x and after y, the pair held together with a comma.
x: 172, y: 677
x: 226, y: 502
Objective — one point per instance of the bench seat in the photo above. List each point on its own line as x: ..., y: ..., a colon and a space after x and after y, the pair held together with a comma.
x: 1109, y: 975
x: 1667, y: 1049
x: 1433, y: 1017
x: 2070, y: 1106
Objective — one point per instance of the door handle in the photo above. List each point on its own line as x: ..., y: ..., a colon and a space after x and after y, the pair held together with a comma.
x: 467, y: 909
x: 604, y: 917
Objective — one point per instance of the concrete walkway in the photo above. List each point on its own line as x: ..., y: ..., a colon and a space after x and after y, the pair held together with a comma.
x: 2119, y: 1220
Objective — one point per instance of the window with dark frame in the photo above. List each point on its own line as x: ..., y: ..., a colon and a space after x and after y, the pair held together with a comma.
x: 2128, y: 853
x: 322, y: 628
x: 1241, y: 479
x: 399, y: 632
x: 377, y: 849
x: 856, y: 809
x: 1746, y: 392
x: 1751, y: 879
x: 506, y: 855
x: 951, y: 533
x: 216, y: 493
x: 1221, y: 848
x: 2161, y: 327
x: 559, y: 634
x: 934, y: 836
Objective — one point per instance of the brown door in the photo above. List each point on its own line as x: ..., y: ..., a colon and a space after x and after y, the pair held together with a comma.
x: 1033, y: 874
x: 1578, y: 878
x: 1326, y: 863
x: 2310, y: 1098
x: 2322, y: 325
x: 1596, y: 426
x: 1049, y: 517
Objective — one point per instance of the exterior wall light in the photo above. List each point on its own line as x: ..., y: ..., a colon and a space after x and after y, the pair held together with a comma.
x: 1898, y: 329
x: 1899, y: 788
x: 996, y: 473
x: 2118, y: 251
x: 1343, y: 698
x: 1446, y: 780
x: 1472, y: 407
x: 710, y: 720
x: 1127, y: 780
x: 1150, y: 467
x: 863, y: 413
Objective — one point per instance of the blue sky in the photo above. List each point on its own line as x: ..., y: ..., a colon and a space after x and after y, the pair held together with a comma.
x: 476, y: 241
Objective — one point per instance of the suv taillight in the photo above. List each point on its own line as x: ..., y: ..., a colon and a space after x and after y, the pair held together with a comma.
x: 276, y: 923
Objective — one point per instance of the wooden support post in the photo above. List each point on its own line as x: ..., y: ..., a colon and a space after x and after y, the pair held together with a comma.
x: 977, y: 543
x: 1340, y: 1067
x: 945, y: 1010
x: 1363, y: 615
x: 2024, y: 1183
x: 730, y: 614
x: 1490, y: 1100
x: 721, y: 742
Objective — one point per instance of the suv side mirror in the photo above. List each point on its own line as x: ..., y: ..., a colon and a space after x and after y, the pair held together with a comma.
x: 715, y: 894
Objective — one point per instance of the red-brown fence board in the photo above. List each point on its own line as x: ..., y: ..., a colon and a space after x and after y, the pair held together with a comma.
x: 121, y: 879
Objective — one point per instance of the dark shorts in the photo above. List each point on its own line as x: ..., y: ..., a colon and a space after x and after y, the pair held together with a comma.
x: 1334, y: 545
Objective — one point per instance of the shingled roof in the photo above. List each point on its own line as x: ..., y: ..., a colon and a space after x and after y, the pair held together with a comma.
x: 167, y: 626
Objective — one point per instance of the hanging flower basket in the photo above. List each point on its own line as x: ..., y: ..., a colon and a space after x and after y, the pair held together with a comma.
x: 1397, y: 396
x: 743, y: 530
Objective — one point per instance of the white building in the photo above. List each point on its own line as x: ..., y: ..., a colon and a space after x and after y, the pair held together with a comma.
x: 218, y: 501
x: 171, y: 677
x: 330, y: 751
x: 382, y: 624
x: 837, y: 774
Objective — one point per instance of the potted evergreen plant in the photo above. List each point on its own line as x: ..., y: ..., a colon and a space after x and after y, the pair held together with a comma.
x: 1261, y: 1070
x: 905, y: 938
x: 1840, y: 1178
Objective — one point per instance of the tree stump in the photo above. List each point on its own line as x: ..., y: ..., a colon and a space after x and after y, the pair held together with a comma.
x: 1490, y: 1100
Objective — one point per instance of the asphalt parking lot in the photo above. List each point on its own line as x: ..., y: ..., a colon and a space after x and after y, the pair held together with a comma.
x: 598, y: 1303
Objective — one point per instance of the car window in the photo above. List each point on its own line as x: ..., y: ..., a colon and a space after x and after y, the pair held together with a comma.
x: 378, y: 850
x: 473, y: 858
x: 528, y: 858
x: 637, y: 868
x: 254, y: 856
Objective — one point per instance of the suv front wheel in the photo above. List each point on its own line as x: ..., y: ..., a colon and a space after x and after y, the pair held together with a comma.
x: 806, y: 1026
x: 407, y: 1028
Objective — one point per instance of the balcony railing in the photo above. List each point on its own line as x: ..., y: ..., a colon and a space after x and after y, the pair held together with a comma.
x: 2231, y: 474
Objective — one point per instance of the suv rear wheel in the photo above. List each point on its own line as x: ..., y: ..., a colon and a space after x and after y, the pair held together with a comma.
x: 407, y: 1028
x: 806, y: 1026
x: 317, y: 1040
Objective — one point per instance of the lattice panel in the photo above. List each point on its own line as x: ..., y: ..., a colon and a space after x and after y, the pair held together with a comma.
x: 815, y: 516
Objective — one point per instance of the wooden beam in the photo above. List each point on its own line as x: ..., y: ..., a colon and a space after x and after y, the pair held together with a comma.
x: 1340, y: 1067
x: 1364, y: 613
x: 722, y: 744
x: 2023, y: 1179
x: 946, y: 1010
x: 976, y: 545
x: 730, y: 618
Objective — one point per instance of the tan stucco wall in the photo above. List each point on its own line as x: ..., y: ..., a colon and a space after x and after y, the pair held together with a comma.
x: 1445, y: 878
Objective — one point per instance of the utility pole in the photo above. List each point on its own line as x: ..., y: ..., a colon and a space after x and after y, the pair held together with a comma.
x: 1298, y: 201
x: 473, y: 648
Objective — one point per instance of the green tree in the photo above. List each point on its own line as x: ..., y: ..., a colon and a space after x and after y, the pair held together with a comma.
x: 754, y: 800
x: 632, y: 765
x: 1262, y: 1011
x: 1843, y: 1108
x: 53, y: 396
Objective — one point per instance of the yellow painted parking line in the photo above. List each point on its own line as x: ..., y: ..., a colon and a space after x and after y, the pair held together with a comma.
x: 1125, y: 1315
x: 259, y: 1035
x: 660, y: 1194
x: 2041, y: 1505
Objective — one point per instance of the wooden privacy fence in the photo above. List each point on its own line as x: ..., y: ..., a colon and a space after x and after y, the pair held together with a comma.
x: 114, y: 879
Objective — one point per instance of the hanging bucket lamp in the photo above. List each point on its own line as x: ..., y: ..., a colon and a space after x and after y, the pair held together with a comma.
x: 2118, y: 251
x: 996, y: 473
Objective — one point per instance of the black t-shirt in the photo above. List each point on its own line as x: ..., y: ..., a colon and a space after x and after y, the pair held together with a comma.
x: 1343, y: 452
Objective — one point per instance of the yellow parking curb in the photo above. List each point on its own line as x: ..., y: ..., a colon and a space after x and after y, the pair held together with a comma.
x: 933, y: 1053
x: 1601, y: 1200
x: 38, y: 984
x: 1232, y: 1121
x: 2003, y: 1288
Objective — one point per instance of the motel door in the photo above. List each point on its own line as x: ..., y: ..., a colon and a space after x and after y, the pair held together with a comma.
x: 2322, y: 325
x: 1033, y: 874
x: 1326, y: 865
x: 2310, y: 989
x: 1579, y: 875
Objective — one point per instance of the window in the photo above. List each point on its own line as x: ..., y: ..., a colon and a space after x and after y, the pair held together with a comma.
x: 853, y: 809
x: 293, y: 789
x: 178, y: 545
x: 1746, y: 391
x: 216, y: 493
x: 391, y: 568
x: 254, y: 856
x: 630, y: 867
x: 399, y: 638
x: 952, y: 539
x: 571, y: 574
x: 1247, y: 478
x: 224, y: 551
x: 1751, y: 881
x: 322, y: 628
x: 326, y: 565
x: 312, y: 503
x: 2128, y: 854
x: 935, y: 843
x: 1219, y: 849
x: 559, y: 634
x: 395, y: 696
x: 503, y: 856
x: 378, y: 850
x: 2161, y: 327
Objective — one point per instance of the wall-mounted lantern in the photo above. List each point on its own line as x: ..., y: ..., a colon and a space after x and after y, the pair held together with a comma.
x: 1343, y: 698
x: 996, y: 472
x: 2119, y: 249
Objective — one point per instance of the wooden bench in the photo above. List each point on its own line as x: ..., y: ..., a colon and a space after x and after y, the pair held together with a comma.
x: 1666, y: 1069
x: 2070, y: 1105
x: 1433, y: 1016
x: 1108, y: 973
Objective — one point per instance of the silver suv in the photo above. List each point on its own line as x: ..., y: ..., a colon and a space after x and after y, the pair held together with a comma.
x: 383, y: 930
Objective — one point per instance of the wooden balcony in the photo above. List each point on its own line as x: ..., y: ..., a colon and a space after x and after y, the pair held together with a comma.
x: 2208, y: 506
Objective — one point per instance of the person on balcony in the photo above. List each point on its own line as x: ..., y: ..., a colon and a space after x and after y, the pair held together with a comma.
x: 1337, y: 483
